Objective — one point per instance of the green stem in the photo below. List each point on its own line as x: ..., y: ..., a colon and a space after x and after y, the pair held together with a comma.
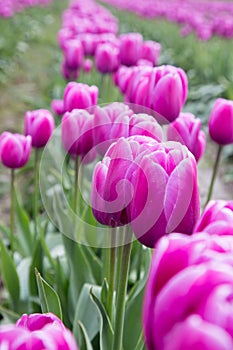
x: 12, y: 211
x: 111, y: 271
x: 215, y: 170
x: 139, y: 261
x: 76, y: 189
x: 36, y: 191
x: 121, y: 294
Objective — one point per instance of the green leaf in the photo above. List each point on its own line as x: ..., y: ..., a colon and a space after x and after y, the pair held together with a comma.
x: 49, y: 298
x: 5, y: 230
x: 104, y: 293
x: 23, y: 270
x: 86, y: 313
x: 105, y: 327
x: 86, y: 344
x: 24, y: 234
x: 9, y: 314
x: 9, y: 275
x: 37, y: 262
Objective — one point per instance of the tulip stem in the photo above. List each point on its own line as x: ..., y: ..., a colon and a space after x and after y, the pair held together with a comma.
x: 12, y: 211
x: 76, y: 188
x: 122, y: 290
x: 111, y: 272
x: 36, y: 190
x: 215, y: 170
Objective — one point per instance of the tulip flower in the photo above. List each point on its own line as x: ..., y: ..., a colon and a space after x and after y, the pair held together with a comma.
x: 221, y: 122
x: 15, y: 149
x: 73, y: 54
x: 87, y: 65
x: 151, y: 51
x: 39, y: 124
x: 81, y: 96
x: 217, y: 218
x: 57, y: 106
x: 37, y: 332
x: 107, y: 58
x: 186, y: 129
x: 130, y: 48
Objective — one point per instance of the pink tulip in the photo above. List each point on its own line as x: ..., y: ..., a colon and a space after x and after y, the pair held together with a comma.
x: 87, y: 65
x: 130, y: 48
x: 68, y: 73
x: 15, y: 149
x: 81, y: 96
x: 77, y: 132
x: 151, y: 51
x: 73, y: 53
x: 221, y: 122
x: 107, y: 58
x: 186, y: 129
x: 37, y: 332
x: 39, y: 124
x: 57, y: 106
x: 217, y: 218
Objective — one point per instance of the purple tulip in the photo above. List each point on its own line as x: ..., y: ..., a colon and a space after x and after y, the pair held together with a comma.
x: 217, y: 218
x: 73, y: 53
x: 112, y: 190
x: 15, y: 149
x: 37, y: 332
x: 87, y: 65
x: 221, y: 122
x: 144, y: 62
x: 77, y: 132
x: 168, y: 188
x: 68, y: 73
x: 39, y: 124
x: 130, y: 48
x: 186, y: 129
x: 57, y: 106
x: 151, y: 51
x: 79, y: 96
x: 107, y: 58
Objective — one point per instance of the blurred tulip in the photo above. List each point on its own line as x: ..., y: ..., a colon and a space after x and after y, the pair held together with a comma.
x: 87, y: 65
x: 186, y: 129
x: 151, y: 51
x: 77, y: 132
x: 217, y: 218
x: 73, y: 54
x: 130, y: 48
x: 68, y: 73
x: 39, y: 124
x: 81, y: 96
x: 58, y: 106
x: 15, y: 149
x: 37, y: 332
x: 107, y: 58
x: 221, y: 122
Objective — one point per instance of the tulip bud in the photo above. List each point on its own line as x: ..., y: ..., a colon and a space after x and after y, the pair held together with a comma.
x: 73, y: 53
x: 130, y: 48
x: 221, y: 122
x: 151, y: 51
x: 39, y: 124
x: 79, y: 96
x: 15, y: 149
x: 107, y: 58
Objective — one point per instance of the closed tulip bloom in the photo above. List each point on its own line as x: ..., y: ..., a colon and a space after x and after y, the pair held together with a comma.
x: 217, y: 218
x: 39, y: 124
x: 87, y: 65
x: 107, y: 58
x: 77, y: 132
x: 167, y: 188
x: 112, y: 191
x: 151, y: 51
x: 73, y: 54
x: 130, y: 48
x: 221, y: 122
x: 37, y: 332
x: 144, y: 124
x: 57, y: 106
x: 186, y: 129
x: 15, y: 149
x: 79, y: 96
x: 68, y: 73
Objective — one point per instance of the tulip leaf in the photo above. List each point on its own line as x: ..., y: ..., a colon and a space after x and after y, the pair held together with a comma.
x: 23, y: 270
x: 105, y: 327
x: 104, y: 293
x: 9, y: 275
x: 86, y: 313
x: 37, y: 262
x: 49, y: 298
x: 86, y: 344
x: 9, y: 314
x: 5, y: 231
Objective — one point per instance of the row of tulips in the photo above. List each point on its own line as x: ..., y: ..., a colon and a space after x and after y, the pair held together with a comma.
x: 205, y: 18
x: 97, y: 36
x: 9, y: 7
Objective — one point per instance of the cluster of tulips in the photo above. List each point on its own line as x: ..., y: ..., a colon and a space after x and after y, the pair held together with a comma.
x: 9, y: 7
x: 85, y: 34
x: 205, y: 18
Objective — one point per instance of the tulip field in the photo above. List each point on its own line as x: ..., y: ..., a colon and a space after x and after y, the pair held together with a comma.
x: 116, y: 175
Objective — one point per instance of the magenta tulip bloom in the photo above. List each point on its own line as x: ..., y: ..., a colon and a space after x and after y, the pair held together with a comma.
x: 87, y: 65
x: 167, y: 187
x: 130, y: 48
x: 107, y: 58
x: 77, y: 132
x: 57, y: 106
x: 73, y: 54
x: 217, y: 218
x: 186, y: 129
x: 79, y: 96
x: 37, y: 332
x: 112, y: 191
x: 15, y: 149
x: 39, y: 124
x: 151, y: 51
x: 221, y: 122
